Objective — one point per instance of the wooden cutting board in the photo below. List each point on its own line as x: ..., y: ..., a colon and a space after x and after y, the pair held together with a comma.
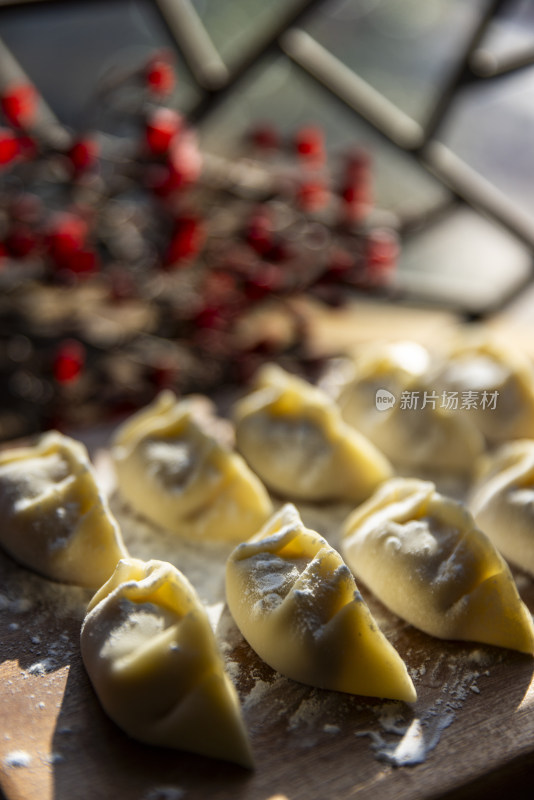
x: 471, y: 729
x: 470, y: 733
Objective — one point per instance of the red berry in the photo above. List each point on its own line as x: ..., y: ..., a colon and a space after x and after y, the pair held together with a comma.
x: 341, y: 263
x: 357, y: 163
x: 82, y: 263
x: 21, y: 241
x: 162, y: 126
x: 356, y: 190
x: 66, y: 235
x: 209, y: 317
x: 69, y: 361
x: 357, y: 205
x: 268, y: 279
x: 67, y: 245
x: 258, y: 233
x: 19, y: 104
x: 312, y: 195
x: 281, y: 251
x: 160, y: 76
x: 165, y: 179
x: 157, y: 179
x: 9, y: 146
x: 265, y: 136
x: 309, y: 143
x: 28, y: 147
x: 164, y: 374
x: 186, y: 241
x: 183, y: 167
x: 185, y: 158
x: 83, y: 154
x: 381, y: 251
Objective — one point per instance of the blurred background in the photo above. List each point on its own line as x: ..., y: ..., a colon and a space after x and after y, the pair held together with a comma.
x: 181, y: 173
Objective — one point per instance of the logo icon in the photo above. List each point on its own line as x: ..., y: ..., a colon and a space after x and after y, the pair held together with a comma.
x: 384, y: 399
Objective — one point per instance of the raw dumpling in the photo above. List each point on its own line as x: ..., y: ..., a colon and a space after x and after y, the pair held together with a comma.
x: 293, y: 437
x: 296, y: 603
x: 179, y: 476
x: 500, y: 382
x: 502, y: 501
x: 389, y: 397
x: 376, y: 372
x: 153, y: 661
x: 55, y: 520
x: 422, y: 555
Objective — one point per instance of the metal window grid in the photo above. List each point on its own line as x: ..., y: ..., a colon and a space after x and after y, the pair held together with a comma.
x: 216, y: 81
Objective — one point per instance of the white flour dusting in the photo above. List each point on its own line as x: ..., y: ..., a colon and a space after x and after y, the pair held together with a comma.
x: 405, y: 736
x: 201, y: 562
x: 407, y: 743
x: 309, y: 712
x: 42, y: 667
x: 413, y: 747
x: 18, y: 758
x: 331, y: 728
x: 398, y: 734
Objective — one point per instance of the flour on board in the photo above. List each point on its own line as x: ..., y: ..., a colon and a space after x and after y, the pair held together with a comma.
x: 398, y: 734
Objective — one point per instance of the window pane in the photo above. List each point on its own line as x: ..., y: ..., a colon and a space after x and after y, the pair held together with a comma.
x: 238, y: 26
x: 405, y: 49
x: 280, y: 92
x: 66, y: 49
x: 512, y: 30
x: 491, y: 127
x: 465, y: 261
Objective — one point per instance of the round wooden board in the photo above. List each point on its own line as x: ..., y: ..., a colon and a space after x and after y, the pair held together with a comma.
x: 474, y: 717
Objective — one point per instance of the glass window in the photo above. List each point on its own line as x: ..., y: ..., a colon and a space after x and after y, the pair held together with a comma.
x: 405, y: 49
x: 67, y: 49
x: 512, y: 31
x: 280, y: 92
x: 491, y: 127
x: 465, y: 261
x: 237, y: 27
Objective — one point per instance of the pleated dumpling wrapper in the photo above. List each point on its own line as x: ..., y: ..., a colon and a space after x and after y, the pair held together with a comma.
x: 390, y: 397
x: 502, y: 501
x: 422, y: 555
x: 179, y: 476
x: 375, y: 371
x: 292, y: 435
x: 498, y: 379
x: 55, y: 519
x: 153, y: 661
x: 297, y: 605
